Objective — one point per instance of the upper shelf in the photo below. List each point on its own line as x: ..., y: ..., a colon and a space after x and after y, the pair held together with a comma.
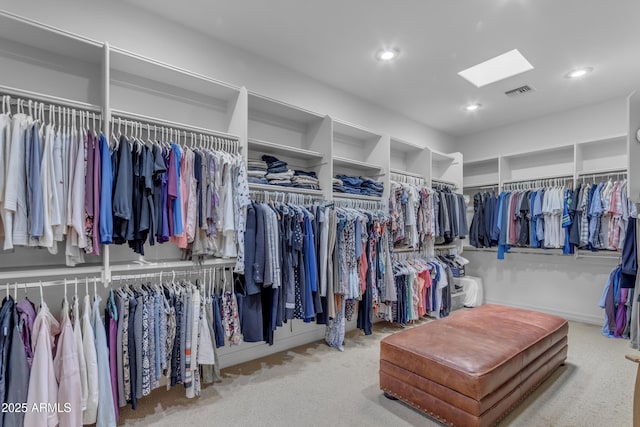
x: 284, y: 150
x: 353, y: 132
x: 403, y: 146
x: 265, y: 108
x: 356, y: 164
x: 132, y: 64
x: 49, y: 39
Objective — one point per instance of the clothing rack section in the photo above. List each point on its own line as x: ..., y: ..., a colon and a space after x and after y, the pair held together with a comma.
x: 176, y: 183
x: 614, y: 174
x: 527, y: 184
x: 617, y: 300
x: 43, y: 193
x: 284, y: 197
x: 439, y: 184
x: 185, y: 135
x: 424, y: 286
x: 350, y: 203
x: 407, y: 178
x: 550, y: 213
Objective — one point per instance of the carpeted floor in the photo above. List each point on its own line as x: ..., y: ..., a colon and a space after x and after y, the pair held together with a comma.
x: 316, y: 385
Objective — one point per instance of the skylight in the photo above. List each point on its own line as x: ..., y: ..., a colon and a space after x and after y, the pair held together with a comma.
x: 495, y: 69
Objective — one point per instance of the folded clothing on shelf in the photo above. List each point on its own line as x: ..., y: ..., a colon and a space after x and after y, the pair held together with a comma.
x: 256, y: 173
x: 275, y: 165
x: 254, y: 180
x: 310, y: 174
x: 306, y: 181
x: 258, y: 165
x: 287, y: 174
x: 358, y: 185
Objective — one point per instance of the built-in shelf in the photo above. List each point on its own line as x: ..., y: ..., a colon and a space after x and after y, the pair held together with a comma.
x: 283, y: 150
x: 281, y: 189
x: 356, y: 164
x: 356, y: 197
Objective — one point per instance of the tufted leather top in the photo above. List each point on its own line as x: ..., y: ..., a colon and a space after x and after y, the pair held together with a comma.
x: 475, y: 351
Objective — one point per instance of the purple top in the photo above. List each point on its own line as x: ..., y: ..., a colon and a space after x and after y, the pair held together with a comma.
x: 89, y: 176
x: 27, y: 313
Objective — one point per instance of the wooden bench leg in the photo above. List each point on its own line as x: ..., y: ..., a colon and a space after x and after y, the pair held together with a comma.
x: 636, y: 392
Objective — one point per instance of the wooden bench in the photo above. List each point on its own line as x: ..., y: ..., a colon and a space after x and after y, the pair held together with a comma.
x: 473, y: 367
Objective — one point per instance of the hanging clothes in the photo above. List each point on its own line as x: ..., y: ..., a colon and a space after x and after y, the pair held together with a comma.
x: 43, y: 387
x: 67, y: 373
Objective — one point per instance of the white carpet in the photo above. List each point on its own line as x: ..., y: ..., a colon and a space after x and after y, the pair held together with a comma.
x: 315, y: 385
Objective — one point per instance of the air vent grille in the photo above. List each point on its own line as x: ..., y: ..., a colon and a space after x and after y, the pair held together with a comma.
x: 522, y: 90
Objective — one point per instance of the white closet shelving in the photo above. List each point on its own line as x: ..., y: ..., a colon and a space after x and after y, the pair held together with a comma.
x: 607, y: 156
x: 447, y: 168
x: 49, y: 61
x: 409, y: 159
x: 144, y: 86
x: 297, y: 136
x: 601, y: 156
x: 37, y: 60
x: 175, y: 98
x: 360, y: 152
x: 553, y: 162
x: 481, y: 173
x: 598, y: 157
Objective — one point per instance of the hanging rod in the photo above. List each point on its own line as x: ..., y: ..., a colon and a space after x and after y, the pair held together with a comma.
x: 482, y: 187
x: 49, y: 99
x: 50, y: 272
x: 542, y: 178
x: 603, y: 172
x: 148, y: 120
x: 173, y: 265
x: 439, y: 183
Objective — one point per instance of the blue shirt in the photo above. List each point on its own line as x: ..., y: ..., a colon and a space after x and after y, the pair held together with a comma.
x: 106, y: 212
x: 177, y: 202
x: 535, y: 243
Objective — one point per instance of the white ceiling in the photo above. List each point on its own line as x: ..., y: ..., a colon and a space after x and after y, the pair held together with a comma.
x: 335, y: 41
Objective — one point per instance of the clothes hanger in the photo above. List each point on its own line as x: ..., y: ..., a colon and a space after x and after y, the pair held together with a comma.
x: 41, y: 293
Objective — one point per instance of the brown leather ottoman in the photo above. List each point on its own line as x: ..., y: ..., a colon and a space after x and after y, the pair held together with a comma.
x: 473, y: 367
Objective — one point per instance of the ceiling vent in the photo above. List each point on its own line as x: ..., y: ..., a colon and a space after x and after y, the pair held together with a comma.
x: 522, y: 90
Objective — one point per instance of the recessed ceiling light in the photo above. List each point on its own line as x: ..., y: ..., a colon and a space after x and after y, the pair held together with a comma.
x: 495, y: 69
x: 387, y: 54
x: 473, y: 107
x: 578, y: 72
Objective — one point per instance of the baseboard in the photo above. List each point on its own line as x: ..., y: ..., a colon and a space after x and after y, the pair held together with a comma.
x: 284, y: 340
x: 577, y: 317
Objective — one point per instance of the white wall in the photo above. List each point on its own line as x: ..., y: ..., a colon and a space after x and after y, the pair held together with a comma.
x: 127, y: 27
x: 555, y: 284
x: 561, y: 285
x: 588, y: 123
